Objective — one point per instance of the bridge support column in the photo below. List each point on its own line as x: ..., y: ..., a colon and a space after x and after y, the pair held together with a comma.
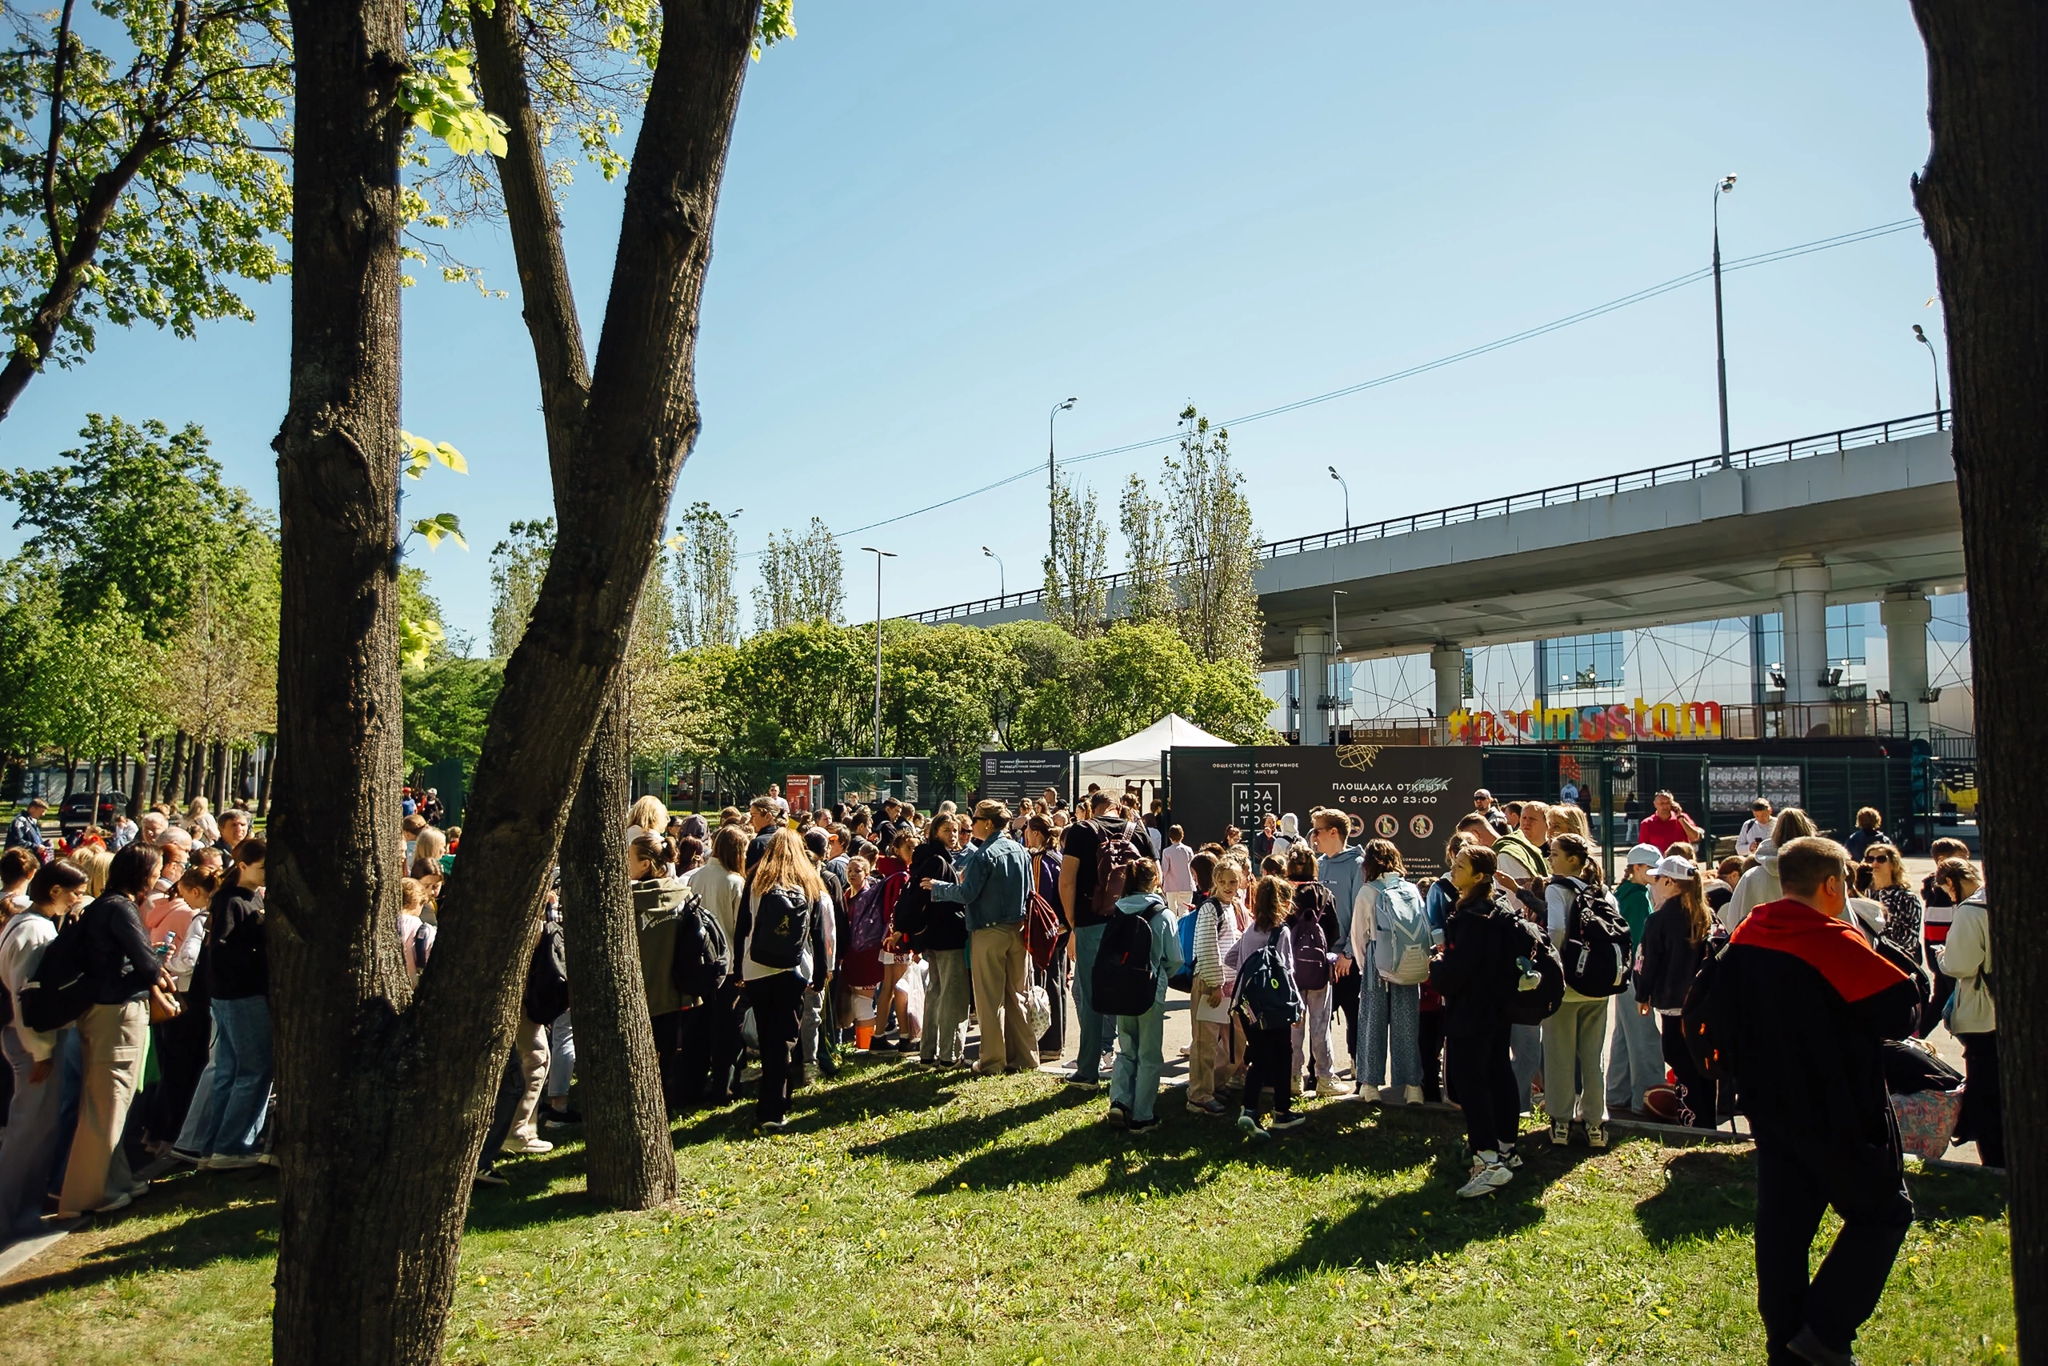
x: 1312, y: 646
x: 1447, y: 662
x: 1905, y: 613
x: 1803, y: 582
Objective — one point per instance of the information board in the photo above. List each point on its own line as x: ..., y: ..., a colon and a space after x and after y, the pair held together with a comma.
x: 1010, y: 775
x: 1413, y: 795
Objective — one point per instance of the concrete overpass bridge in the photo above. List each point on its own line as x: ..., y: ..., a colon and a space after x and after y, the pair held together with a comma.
x: 1865, y: 513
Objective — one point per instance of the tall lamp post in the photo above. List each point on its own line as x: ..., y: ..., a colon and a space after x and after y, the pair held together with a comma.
x: 1335, y: 593
x: 1725, y: 185
x: 879, y: 555
x: 1002, y: 586
x: 1935, y: 357
x: 1347, y: 494
x: 1052, y: 486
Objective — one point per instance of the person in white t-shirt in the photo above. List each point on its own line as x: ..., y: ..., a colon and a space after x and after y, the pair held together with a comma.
x: 1756, y: 829
x: 1176, y: 870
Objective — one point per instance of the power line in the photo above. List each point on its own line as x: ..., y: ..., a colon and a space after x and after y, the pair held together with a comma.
x: 1845, y: 239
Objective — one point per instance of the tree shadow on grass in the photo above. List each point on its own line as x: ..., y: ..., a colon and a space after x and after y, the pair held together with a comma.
x: 1419, y: 1223
x: 1956, y: 1193
x: 211, y: 1230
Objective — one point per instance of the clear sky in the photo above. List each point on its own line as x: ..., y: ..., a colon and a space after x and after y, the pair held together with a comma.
x: 941, y: 218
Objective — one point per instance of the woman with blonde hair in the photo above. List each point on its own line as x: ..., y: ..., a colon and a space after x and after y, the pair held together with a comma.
x: 648, y: 816
x: 788, y: 931
x: 94, y: 862
x: 199, y: 820
x: 1675, y: 942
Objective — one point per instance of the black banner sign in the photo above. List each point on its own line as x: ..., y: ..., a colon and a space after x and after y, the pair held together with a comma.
x: 1413, y: 795
x: 1010, y: 775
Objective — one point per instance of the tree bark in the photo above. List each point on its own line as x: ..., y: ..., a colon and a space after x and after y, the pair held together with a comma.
x: 1980, y: 196
x: 177, y: 772
x: 384, y: 1093
x: 263, y: 784
x: 631, y: 1157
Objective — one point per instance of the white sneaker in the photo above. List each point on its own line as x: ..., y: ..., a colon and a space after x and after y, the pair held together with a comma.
x: 1560, y: 1132
x: 1489, y: 1176
x: 1369, y: 1093
x: 528, y: 1145
x: 1596, y: 1135
x: 1327, y: 1086
x: 1412, y: 1095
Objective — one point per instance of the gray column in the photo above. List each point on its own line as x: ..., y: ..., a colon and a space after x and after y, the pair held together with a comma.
x: 1448, y: 663
x: 1905, y: 613
x: 1312, y: 644
x: 1803, y: 602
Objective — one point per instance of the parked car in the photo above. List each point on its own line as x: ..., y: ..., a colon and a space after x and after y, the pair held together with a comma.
x: 81, y: 809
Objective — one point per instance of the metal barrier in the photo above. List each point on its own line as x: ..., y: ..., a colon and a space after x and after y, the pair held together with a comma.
x: 1775, y: 453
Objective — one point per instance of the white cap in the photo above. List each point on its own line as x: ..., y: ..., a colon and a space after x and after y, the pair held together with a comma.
x: 1677, y: 868
x: 1645, y: 853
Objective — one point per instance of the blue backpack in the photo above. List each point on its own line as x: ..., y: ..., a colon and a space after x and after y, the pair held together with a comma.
x: 1183, y: 978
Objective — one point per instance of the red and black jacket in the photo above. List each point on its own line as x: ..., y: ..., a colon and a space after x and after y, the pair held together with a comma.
x: 1803, y: 1006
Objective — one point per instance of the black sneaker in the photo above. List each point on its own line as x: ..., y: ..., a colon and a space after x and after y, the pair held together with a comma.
x: 550, y: 1116
x: 1140, y: 1126
x: 1288, y: 1119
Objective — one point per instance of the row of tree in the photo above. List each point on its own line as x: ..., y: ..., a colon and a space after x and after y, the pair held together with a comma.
x: 138, y: 624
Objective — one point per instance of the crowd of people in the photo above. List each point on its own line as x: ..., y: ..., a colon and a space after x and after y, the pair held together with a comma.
x: 1515, y: 984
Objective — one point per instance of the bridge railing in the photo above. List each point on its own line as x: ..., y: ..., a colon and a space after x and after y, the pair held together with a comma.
x: 1775, y: 453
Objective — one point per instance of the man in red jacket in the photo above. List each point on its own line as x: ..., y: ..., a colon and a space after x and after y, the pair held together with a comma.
x: 1798, y: 1010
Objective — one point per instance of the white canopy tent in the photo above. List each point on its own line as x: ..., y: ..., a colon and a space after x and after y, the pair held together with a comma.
x: 1135, y: 758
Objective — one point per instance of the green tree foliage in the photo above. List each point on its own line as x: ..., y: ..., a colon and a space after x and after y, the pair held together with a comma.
x: 518, y: 563
x: 1214, y: 542
x: 1045, y: 654
x: 938, y: 683
x: 423, y: 634
x: 802, y: 579
x: 800, y: 691
x: 1146, y: 596
x: 447, y: 708
x: 707, y: 609
x: 85, y: 687
x: 219, y: 678
x: 1075, y: 598
x: 141, y: 169
x: 136, y: 518
x: 1130, y: 676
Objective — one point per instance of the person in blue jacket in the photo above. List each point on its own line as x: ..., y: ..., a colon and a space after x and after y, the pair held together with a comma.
x: 1141, y: 1039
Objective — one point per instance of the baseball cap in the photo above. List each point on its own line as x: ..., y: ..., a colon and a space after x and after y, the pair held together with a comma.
x: 1644, y: 853
x: 1680, y: 869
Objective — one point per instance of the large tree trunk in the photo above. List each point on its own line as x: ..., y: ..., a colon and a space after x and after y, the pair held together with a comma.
x: 176, y: 775
x: 384, y: 1099
x: 1981, y: 196
x: 631, y: 1158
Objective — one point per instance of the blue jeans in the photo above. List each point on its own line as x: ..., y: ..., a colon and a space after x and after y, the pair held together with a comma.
x: 1095, y: 1027
x: 1389, y: 1009
x: 1140, y: 1058
x: 1635, y: 1054
x: 561, y: 1056
x: 39, y: 1125
x: 240, y: 1097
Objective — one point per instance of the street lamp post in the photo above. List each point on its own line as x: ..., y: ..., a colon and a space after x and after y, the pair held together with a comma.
x: 1052, y: 484
x: 1335, y: 593
x: 1934, y: 357
x: 1002, y: 585
x: 1347, y: 494
x: 879, y: 555
x: 1725, y: 185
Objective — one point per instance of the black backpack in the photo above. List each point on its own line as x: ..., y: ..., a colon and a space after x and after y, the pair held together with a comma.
x: 782, y: 925
x: 1266, y: 995
x: 1704, y: 1022
x: 1123, y: 982
x: 702, y: 954
x: 1539, y: 999
x: 59, y: 992
x: 1595, y: 955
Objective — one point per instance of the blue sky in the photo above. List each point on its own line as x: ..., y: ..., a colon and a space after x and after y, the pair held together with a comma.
x: 941, y: 218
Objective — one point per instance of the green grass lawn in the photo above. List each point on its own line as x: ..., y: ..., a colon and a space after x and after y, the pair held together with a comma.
x: 908, y: 1217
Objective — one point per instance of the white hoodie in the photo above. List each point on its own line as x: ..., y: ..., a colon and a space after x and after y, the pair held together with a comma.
x: 1759, y: 887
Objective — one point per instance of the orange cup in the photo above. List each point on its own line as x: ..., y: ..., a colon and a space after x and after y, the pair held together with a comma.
x: 864, y: 1035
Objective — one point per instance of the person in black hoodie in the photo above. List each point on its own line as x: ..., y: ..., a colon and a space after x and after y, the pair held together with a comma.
x: 938, y: 931
x: 1797, y: 1011
x: 238, y: 977
x: 122, y: 969
x: 1477, y: 975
